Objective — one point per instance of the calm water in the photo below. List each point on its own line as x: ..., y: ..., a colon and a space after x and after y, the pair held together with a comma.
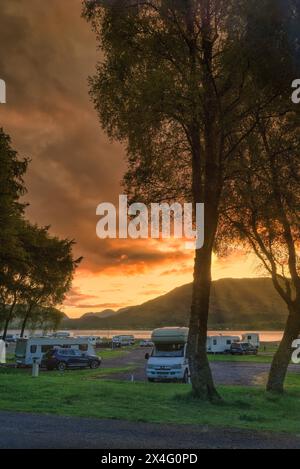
x: 265, y: 336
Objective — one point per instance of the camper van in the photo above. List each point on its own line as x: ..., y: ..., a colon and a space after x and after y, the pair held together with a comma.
x: 123, y: 340
x: 251, y: 338
x: 61, y: 334
x: 168, y: 359
x: 94, y: 340
x: 220, y: 343
x: 33, y: 349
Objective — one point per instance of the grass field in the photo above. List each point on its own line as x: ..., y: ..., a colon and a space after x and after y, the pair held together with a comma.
x: 241, y: 358
x: 89, y: 394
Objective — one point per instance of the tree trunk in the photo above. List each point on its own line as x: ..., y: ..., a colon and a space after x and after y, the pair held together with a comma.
x: 202, y: 381
x: 26, y: 317
x: 8, y: 319
x: 283, y: 355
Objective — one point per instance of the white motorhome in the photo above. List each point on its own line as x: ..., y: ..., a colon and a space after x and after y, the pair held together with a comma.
x: 251, y: 338
x: 94, y: 340
x: 62, y: 334
x: 123, y: 340
x: 34, y: 348
x: 168, y: 359
x: 220, y: 343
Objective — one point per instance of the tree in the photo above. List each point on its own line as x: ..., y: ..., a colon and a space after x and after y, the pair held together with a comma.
x: 172, y: 85
x: 45, y: 318
x: 263, y: 192
x: 36, y: 269
x: 49, y: 273
x: 12, y: 187
x: 12, y: 170
x: 267, y: 194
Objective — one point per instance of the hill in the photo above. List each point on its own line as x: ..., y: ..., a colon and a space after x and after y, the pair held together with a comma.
x: 235, y: 304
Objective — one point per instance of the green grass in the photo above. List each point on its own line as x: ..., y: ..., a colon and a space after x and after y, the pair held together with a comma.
x: 87, y: 394
x: 241, y: 358
x: 109, y: 353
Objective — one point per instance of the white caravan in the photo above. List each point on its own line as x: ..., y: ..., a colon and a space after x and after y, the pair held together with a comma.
x: 61, y: 334
x: 34, y: 348
x: 251, y: 338
x: 220, y: 343
x: 94, y: 340
x: 123, y: 340
x: 168, y: 360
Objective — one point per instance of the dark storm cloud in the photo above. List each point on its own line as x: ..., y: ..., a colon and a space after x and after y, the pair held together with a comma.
x: 47, y: 51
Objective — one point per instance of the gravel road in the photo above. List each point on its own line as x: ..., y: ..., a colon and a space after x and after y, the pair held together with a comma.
x: 26, y: 431
x: 226, y: 373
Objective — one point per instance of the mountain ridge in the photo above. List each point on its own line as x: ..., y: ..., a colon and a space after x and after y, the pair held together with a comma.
x: 235, y: 304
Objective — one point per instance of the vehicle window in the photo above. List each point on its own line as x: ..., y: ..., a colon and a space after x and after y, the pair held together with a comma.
x: 228, y: 342
x: 168, y: 350
x: 83, y: 347
x: 33, y: 349
x: 46, y: 348
x: 21, y: 349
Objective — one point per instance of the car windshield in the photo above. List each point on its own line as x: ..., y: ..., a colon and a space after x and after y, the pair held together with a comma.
x: 168, y: 350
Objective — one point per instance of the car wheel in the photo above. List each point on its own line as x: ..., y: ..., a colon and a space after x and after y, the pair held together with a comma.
x: 94, y: 364
x: 185, y: 378
x: 61, y: 366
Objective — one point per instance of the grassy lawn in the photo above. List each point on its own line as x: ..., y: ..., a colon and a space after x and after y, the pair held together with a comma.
x: 241, y: 358
x: 111, y: 353
x: 107, y: 353
x: 88, y: 394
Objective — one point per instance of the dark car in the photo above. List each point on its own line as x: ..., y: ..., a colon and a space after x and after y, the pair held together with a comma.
x: 9, y: 339
x: 242, y: 348
x: 63, y: 358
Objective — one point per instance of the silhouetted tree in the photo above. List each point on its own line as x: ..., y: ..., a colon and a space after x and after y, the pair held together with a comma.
x: 172, y: 85
x: 50, y: 269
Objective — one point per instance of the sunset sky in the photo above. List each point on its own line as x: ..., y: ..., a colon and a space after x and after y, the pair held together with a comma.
x: 47, y: 51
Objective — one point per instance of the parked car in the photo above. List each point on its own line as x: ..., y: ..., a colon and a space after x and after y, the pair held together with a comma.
x: 63, y: 358
x: 146, y: 343
x: 242, y: 348
x: 10, y: 338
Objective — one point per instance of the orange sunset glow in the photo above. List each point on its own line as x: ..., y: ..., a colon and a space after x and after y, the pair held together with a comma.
x: 47, y: 54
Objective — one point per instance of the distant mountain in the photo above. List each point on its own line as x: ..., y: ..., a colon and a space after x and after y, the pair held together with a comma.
x: 102, y: 314
x: 235, y: 304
